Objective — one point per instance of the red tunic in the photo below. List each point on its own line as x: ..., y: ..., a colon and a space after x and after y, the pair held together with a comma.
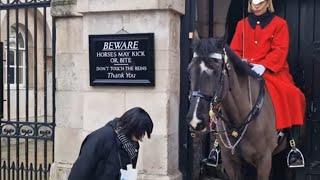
x: 269, y: 46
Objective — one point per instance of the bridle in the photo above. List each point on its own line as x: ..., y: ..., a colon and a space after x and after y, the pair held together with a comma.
x: 217, y: 98
x: 215, y: 101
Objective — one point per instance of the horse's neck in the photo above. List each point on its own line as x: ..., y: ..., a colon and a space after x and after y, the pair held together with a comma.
x: 237, y: 104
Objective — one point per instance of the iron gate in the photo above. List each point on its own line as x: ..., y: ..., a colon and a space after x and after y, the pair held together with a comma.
x: 27, y: 96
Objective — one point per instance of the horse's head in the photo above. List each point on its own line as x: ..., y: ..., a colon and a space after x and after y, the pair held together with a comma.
x: 208, y: 78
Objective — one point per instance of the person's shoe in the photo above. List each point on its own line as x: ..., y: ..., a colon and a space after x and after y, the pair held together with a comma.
x: 295, y: 158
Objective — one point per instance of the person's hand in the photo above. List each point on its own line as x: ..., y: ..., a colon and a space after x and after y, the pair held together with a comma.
x: 258, y: 68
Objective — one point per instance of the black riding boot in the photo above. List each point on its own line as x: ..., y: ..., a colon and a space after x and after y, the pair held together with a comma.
x: 295, y: 158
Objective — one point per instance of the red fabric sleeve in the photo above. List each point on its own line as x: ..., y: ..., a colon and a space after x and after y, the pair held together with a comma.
x: 276, y: 59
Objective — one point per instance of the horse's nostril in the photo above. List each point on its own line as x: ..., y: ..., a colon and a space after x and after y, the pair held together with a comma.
x: 192, y: 134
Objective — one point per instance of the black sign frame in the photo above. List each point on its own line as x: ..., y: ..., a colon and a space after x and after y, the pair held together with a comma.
x: 142, y: 66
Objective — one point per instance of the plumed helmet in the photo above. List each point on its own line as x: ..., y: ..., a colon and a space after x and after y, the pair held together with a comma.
x: 270, y: 4
x: 256, y: 1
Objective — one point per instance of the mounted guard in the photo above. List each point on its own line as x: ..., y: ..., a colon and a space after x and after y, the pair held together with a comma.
x: 262, y: 39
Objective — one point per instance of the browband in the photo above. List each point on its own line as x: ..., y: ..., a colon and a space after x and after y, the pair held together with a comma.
x: 212, y: 55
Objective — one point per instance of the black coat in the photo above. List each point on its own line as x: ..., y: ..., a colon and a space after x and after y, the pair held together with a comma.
x: 98, y: 158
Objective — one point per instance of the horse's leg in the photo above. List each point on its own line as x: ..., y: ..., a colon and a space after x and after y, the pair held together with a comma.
x: 232, y: 167
x: 197, y: 144
x: 264, y: 166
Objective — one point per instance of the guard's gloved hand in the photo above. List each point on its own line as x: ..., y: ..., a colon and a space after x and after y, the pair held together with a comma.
x: 258, y: 68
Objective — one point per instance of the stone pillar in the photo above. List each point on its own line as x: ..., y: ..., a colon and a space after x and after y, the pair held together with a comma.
x: 80, y: 108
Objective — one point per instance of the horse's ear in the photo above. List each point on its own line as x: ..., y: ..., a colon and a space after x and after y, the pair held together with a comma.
x: 195, y: 39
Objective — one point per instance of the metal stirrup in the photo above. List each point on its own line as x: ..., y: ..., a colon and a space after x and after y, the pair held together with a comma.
x: 294, y: 150
x: 214, y: 154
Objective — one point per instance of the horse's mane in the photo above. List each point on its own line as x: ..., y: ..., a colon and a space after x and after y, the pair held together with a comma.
x: 239, y: 64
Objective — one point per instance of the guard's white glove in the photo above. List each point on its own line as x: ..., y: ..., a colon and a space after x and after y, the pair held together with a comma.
x: 258, y: 68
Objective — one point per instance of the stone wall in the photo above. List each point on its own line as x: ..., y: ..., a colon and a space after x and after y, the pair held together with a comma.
x: 82, y: 108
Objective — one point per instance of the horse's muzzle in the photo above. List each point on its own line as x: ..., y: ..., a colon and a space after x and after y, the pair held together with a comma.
x: 200, y: 129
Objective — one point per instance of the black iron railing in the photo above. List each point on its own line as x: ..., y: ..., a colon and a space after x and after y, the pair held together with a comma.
x: 14, y: 4
x: 29, y: 171
x: 27, y: 77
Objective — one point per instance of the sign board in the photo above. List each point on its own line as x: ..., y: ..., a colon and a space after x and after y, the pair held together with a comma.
x: 122, y: 59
